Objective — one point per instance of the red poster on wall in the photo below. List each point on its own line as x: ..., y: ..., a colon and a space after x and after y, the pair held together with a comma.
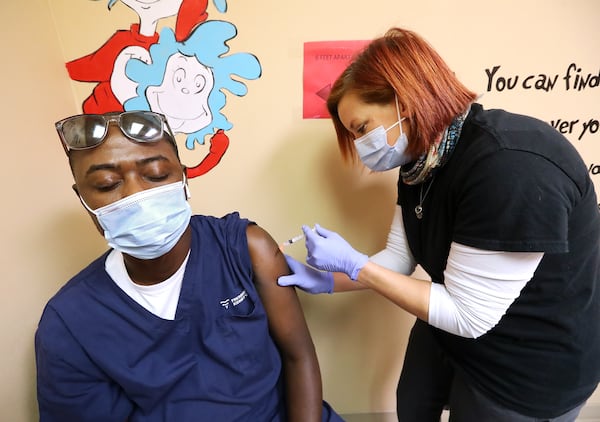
x: 324, y: 61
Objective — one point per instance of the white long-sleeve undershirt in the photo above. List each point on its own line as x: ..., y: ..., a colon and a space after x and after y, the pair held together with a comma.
x: 479, y: 285
x: 396, y: 256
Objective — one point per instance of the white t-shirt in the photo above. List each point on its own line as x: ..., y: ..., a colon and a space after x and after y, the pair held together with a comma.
x: 161, y: 299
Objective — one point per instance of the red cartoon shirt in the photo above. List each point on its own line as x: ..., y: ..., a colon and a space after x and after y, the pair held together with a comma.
x: 98, y: 67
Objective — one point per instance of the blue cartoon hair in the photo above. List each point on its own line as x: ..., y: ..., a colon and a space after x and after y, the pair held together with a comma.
x: 208, y: 44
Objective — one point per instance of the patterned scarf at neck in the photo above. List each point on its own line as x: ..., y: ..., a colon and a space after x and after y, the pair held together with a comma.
x: 438, y: 154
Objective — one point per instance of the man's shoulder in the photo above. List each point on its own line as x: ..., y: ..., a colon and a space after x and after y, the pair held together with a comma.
x: 74, y: 291
x: 211, y: 219
x: 228, y: 222
x: 73, y: 306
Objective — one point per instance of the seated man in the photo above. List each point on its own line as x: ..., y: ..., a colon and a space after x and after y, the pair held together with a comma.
x: 182, y: 319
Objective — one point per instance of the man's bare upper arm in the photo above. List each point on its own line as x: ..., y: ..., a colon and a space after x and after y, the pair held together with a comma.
x: 286, y: 319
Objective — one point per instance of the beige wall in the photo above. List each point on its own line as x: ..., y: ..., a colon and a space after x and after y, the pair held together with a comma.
x: 281, y: 170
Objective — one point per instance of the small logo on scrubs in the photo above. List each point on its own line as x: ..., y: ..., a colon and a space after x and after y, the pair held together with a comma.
x: 234, y: 301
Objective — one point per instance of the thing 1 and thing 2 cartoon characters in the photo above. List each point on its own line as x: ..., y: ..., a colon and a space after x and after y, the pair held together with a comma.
x: 180, y: 73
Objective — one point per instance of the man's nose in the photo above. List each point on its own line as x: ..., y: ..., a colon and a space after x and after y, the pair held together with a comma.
x: 133, y: 184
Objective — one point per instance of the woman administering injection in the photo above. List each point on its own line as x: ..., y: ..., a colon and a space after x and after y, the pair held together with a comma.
x: 500, y: 211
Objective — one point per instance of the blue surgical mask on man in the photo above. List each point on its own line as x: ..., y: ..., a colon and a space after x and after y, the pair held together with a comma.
x: 377, y: 154
x: 147, y: 224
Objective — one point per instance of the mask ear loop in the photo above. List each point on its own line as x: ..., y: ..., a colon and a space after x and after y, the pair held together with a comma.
x: 186, y: 188
x: 398, y: 113
x: 85, y: 205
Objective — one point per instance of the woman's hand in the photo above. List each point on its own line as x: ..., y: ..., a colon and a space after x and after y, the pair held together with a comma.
x: 328, y: 251
x: 307, y: 278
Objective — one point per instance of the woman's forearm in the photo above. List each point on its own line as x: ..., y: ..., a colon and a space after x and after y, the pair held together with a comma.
x: 342, y: 283
x: 409, y: 293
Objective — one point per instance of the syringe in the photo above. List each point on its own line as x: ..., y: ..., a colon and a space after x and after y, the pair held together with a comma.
x: 292, y: 240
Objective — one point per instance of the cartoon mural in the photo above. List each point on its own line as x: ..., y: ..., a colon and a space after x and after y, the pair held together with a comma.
x: 185, y: 82
x: 180, y: 73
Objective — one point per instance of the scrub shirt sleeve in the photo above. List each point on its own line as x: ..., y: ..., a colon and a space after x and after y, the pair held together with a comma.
x: 69, y: 386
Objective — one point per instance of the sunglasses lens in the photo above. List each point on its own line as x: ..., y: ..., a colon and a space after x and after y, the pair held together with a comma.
x: 89, y: 130
x: 84, y: 131
x: 142, y: 126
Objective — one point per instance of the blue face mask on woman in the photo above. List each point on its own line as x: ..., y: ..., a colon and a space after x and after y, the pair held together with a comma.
x: 147, y: 224
x: 377, y: 154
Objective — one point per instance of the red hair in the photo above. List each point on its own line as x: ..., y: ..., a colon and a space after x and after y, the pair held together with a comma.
x: 402, y: 63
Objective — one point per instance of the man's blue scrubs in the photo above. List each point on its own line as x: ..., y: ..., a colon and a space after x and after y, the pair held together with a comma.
x: 102, y: 355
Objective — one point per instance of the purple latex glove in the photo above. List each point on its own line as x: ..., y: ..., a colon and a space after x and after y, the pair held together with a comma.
x: 328, y: 251
x: 307, y: 278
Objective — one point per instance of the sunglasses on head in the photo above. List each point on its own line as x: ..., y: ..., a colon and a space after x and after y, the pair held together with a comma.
x: 85, y: 131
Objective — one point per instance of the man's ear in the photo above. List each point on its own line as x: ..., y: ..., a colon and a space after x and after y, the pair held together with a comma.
x: 74, y: 187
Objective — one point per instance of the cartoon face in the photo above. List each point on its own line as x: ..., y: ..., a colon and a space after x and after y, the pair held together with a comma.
x: 201, y: 59
x: 183, y: 95
x: 153, y: 10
